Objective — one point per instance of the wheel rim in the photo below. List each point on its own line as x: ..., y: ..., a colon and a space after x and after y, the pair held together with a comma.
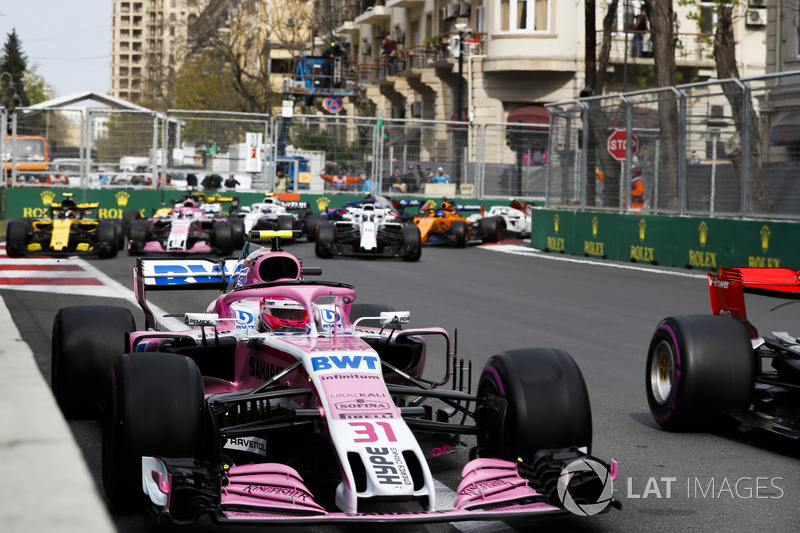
x: 662, y: 372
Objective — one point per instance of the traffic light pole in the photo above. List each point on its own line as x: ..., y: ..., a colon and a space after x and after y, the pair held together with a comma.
x: 460, y: 106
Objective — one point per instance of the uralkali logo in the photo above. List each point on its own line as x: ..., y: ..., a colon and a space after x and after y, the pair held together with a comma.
x: 585, y: 509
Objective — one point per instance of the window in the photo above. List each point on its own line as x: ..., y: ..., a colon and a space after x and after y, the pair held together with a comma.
x: 524, y: 16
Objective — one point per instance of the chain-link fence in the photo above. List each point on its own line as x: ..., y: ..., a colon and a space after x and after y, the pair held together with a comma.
x: 724, y: 148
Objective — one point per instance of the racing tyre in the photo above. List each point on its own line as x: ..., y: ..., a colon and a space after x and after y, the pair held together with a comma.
x: 326, y: 238
x: 238, y: 233
x: 106, y: 239
x: 698, y: 367
x: 153, y: 406
x: 459, y: 231
x: 492, y: 229
x: 86, y: 340
x: 128, y: 216
x: 411, y: 241
x: 137, y: 236
x: 222, y: 237
x: 535, y: 399
x: 286, y: 223
x: 312, y: 221
x: 119, y: 233
x: 15, y: 238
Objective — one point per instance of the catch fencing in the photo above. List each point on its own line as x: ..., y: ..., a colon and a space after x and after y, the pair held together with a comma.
x: 728, y: 148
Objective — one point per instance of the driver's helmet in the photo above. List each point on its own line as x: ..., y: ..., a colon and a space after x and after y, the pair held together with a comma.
x: 278, y: 313
x: 69, y: 213
x: 189, y: 203
x: 441, y: 213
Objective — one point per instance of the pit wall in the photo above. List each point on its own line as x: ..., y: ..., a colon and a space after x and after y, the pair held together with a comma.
x: 686, y: 242
x: 35, y: 202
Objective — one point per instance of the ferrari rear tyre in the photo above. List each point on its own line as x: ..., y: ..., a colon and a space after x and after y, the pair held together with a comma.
x: 326, y: 239
x: 492, y: 229
x: 153, y: 406
x: 411, y: 242
x: 698, y: 367
x: 238, y: 233
x: 106, y: 239
x: 312, y: 221
x: 535, y: 399
x: 222, y: 237
x: 459, y: 232
x: 138, y: 235
x: 15, y: 238
x: 86, y: 340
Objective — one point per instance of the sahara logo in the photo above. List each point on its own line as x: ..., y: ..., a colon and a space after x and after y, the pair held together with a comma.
x: 122, y: 198
x: 48, y: 197
x: 585, y: 509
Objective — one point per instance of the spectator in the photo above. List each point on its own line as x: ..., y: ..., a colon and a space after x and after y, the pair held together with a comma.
x: 440, y: 176
x: 231, y: 182
x: 637, y: 190
x: 212, y: 182
x: 340, y: 181
x: 389, y: 50
x: 369, y: 187
x: 411, y: 180
x: 399, y: 185
x: 676, y: 26
x: 191, y: 181
x: 639, y: 27
x: 694, y: 159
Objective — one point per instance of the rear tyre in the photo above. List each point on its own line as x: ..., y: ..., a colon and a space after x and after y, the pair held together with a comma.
x: 86, y: 340
x: 129, y: 216
x: 222, y: 237
x: 153, y: 406
x: 698, y: 367
x: 459, y: 232
x: 326, y: 238
x: 119, y: 233
x: 15, y: 238
x: 411, y: 242
x: 137, y: 236
x: 535, y: 399
x: 492, y: 229
x: 286, y: 223
x: 238, y: 233
x: 106, y: 239
x: 312, y: 221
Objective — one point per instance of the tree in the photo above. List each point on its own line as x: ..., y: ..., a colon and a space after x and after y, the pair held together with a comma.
x: 14, y: 66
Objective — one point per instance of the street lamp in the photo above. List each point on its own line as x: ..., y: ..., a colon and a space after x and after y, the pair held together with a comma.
x: 458, y: 51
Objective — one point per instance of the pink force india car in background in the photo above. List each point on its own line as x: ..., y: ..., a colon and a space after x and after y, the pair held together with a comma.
x: 285, y: 402
x: 187, y: 228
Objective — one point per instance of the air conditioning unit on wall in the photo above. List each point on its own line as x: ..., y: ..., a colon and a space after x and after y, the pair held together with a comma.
x: 756, y: 17
x: 450, y: 11
x: 463, y: 9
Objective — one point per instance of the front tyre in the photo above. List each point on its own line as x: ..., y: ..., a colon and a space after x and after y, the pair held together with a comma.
x: 107, y: 239
x: 222, y: 237
x: 312, y: 221
x: 534, y: 399
x: 153, y: 406
x: 698, y: 367
x: 492, y: 229
x: 16, y: 233
x: 458, y: 229
x: 411, y: 242
x: 326, y: 239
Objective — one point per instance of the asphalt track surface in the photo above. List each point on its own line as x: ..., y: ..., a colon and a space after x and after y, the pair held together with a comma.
x: 509, y: 296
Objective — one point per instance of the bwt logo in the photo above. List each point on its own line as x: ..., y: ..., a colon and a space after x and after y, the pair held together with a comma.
x: 244, y: 319
x: 353, y: 362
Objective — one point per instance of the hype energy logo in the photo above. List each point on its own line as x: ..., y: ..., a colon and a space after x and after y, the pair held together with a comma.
x: 587, y: 508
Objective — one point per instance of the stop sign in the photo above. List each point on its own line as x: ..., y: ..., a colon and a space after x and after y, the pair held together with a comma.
x: 617, y: 144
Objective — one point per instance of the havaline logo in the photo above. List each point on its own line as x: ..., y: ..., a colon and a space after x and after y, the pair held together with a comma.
x: 703, y: 228
x: 48, y: 197
x: 585, y: 509
x: 555, y: 222
x: 642, y: 228
x: 765, y: 239
x: 595, y: 225
x: 122, y: 198
x: 323, y: 203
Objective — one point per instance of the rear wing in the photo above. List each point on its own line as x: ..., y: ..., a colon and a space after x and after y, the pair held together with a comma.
x: 179, y: 274
x: 727, y: 287
x: 295, y: 205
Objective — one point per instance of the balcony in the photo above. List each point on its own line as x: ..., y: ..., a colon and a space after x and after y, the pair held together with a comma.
x: 404, y: 3
x: 375, y: 15
x: 691, y: 49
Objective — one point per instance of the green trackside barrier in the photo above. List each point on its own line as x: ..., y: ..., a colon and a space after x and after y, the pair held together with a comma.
x: 686, y: 242
x: 25, y: 202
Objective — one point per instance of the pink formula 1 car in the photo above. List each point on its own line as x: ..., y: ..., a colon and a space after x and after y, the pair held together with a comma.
x: 187, y: 229
x: 285, y: 402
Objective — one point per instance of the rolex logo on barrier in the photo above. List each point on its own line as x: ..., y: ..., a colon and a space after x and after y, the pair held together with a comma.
x: 595, y: 225
x: 703, y: 233
x: 555, y: 222
x: 48, y: 197
x: 122, y: 198
x: 323, y: 203
x: 765, y: 239
x: 642, y: 228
